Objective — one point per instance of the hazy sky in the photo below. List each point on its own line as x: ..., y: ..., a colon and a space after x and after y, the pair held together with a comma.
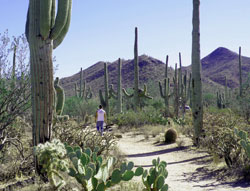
x: 103, y: 30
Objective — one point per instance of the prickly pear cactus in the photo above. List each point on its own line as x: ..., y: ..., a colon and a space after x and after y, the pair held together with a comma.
x: 154, y: 179
x: 245, y: 141
x: 93, y: 173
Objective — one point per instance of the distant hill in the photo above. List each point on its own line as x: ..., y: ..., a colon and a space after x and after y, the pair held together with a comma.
x: 150, y: 69
x: 215, y: 66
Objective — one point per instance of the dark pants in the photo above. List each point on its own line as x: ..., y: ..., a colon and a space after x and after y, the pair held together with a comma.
x: 99, y: 126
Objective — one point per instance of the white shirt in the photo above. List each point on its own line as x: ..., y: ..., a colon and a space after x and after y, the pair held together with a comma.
x: 100, y: 115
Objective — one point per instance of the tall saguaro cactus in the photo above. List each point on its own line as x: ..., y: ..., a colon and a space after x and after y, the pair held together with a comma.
x: 165, y: 92
x: 197, y: 108
x: 138, y: 93
x: 105, y: 101
x: 136, y: 71
x: 176, y: 92
x: 240, y: 71
x: 44, y: 32
x: 118, y: 95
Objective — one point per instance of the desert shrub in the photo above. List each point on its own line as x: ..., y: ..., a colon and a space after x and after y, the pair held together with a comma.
x: 242, y: 104
x: 170, y: 136
x: 209, y: 99
x: 147, y: 116
x: 220, y: 138
x: 16, y: 157
x: 84, y: 136
x: 77, y: 107
x: 14, y: 84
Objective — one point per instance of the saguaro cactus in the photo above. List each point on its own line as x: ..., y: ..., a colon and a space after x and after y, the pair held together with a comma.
x: 82, y: 91
x: 118, y: 95
x: 165, y: 93
x: 105, y: 102
x: 138, y: 93
x: 176, y: 92
x: 136, y: 71
x: 197, y: 108
x: 240, y: 71
x: 44, y: 33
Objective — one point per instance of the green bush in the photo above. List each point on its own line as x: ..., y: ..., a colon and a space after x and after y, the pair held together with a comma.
x: 220, y: 137
x: 83, y: 136
x: 77, y: 107
x: 147, y: 116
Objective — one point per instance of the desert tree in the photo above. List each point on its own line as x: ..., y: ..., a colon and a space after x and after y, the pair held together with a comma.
x: 14, y: 86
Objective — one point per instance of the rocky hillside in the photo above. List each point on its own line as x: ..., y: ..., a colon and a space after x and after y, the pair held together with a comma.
x: 150, y: 69
x: 220, y: 63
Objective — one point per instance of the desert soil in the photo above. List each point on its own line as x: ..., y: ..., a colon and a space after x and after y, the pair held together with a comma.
x: 188, y: 169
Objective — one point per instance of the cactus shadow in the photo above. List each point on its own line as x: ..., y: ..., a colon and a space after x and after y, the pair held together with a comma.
x: 219, y: 176
x: 160, y: 152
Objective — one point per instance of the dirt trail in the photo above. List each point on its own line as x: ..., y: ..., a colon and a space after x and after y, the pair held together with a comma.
x: 188, y: 170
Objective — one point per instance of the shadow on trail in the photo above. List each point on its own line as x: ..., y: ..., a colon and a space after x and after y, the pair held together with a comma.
x: 178, y: 162
x: 164, y: 151
x: 219, y: 176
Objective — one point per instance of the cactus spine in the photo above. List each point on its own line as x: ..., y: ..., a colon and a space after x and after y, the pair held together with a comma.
x: 138, y: 93
x: 105, y: 102
x: 38, y: 26
x: 165, y: 94
x: 240, y: 71
x: 197, y: 107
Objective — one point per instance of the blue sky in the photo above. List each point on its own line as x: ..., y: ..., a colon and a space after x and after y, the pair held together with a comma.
x: 103, y: 30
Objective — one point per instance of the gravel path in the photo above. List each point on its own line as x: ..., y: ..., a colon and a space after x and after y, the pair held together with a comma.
x: 188, y: 169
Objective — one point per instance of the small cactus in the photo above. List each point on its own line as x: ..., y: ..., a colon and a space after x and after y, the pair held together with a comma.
x: 154, y: 179
x: 244, y: 141
x: 170, y: 136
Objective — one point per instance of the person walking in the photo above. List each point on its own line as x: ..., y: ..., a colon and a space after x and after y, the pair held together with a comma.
x: 100, y: 118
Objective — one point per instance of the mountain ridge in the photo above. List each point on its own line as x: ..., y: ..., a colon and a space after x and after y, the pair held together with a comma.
x: 215, y: 66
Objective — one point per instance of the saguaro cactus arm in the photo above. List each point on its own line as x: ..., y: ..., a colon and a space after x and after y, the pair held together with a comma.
x: 61, y: 18
x: 127, y: 94
x: 112, y: 92
x: 60, y: 97
x: 45, y: 17
x: 57, y: 41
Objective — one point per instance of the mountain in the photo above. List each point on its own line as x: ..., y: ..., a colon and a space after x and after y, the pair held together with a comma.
x: 150, y: 69
x: 223, y: 62
x: 218, y: 64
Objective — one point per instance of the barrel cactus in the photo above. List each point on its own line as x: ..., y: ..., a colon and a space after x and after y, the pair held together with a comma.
x: 170, y: 136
